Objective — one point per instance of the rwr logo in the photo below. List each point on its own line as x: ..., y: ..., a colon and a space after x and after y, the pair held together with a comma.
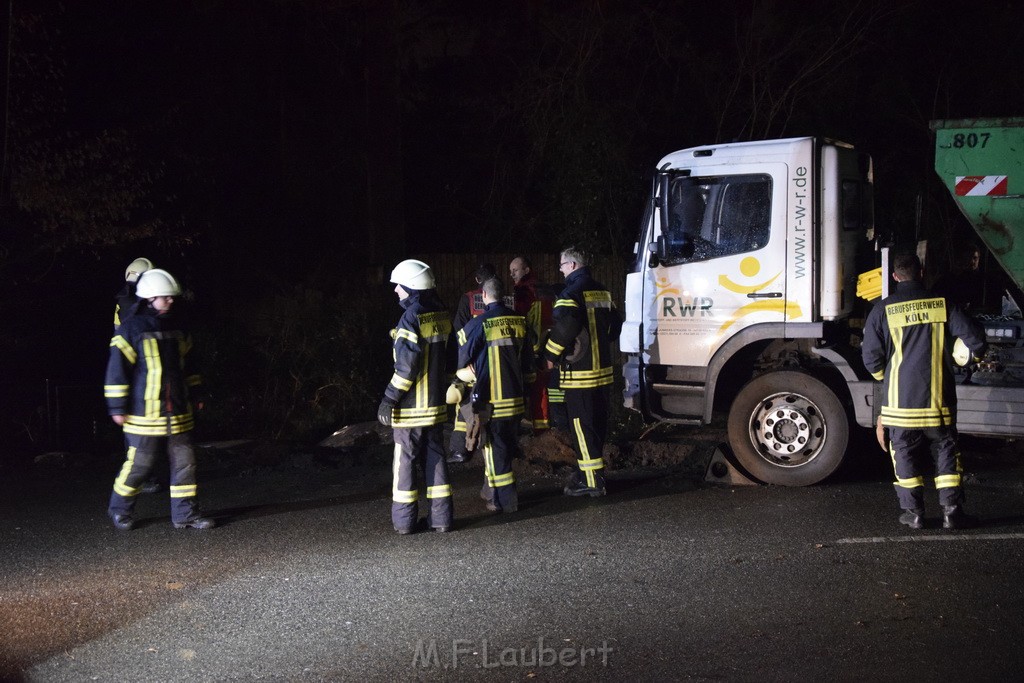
x: 678, y: 307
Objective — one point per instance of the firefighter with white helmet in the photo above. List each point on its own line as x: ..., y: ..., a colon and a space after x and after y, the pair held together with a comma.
x: 414, y: 400
x: 150, y: 388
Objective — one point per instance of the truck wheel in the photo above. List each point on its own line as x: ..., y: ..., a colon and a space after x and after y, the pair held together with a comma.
x: 788, y: 428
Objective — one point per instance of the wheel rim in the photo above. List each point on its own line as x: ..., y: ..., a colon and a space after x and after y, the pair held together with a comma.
x: 787, y: 429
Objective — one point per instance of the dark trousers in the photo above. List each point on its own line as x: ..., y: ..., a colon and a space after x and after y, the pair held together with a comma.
x: 142, y: 453
x: 501, y: 446
x: 420, y: 449
x: 909, y: 449
x: 588, y: 423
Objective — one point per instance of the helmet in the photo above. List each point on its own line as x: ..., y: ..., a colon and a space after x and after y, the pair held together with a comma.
x: 413, y: 274
x: 157, y: 282
x: 137, y: 268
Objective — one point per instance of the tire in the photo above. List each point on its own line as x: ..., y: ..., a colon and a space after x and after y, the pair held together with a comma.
x: 788, y: 428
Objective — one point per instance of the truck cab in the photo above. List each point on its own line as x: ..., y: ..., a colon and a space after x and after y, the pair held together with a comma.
x: 739, y: 298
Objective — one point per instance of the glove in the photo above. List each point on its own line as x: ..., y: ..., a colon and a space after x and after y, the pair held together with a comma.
x: 386, y: 411
x: 455, y: 393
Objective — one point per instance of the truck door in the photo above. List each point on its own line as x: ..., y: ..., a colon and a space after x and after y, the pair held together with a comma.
x: 718, y: 266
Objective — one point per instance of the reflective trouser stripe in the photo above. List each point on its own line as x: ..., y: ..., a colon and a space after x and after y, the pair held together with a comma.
x: 910, y: 483
x: 398, y: 495
x: 585, y: 463
x: 945, y: 481
x: 119, y: 486
x: 439, y: 491
x: 186, y: 491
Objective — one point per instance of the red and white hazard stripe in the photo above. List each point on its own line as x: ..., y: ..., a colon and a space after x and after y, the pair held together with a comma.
x: 980, y: 185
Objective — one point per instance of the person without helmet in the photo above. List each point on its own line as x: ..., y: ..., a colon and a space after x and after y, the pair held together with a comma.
x: 499, y: 350
x: 908, y: 345
x: 414, y: 400
x: 149, y: 390
x: 585, y: 325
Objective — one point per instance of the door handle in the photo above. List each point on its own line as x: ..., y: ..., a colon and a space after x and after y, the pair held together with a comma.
x: 766, y: 295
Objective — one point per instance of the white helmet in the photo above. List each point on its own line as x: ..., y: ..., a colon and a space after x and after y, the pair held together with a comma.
x: 137, y: 268
x: 157, y: 282
x: 413, y: 274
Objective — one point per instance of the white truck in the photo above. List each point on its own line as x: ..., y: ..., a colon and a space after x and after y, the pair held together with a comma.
x: 744, y: 286
x: 744, y: 281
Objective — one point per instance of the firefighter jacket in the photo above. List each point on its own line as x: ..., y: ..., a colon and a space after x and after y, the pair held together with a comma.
x: 499, y: 347
x: 908, y: 344
x: 149, y: 375
x: 419, y: 383
x: 584, y: 324
x: 535, y: 308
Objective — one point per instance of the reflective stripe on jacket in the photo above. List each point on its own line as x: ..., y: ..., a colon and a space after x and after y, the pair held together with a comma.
x: 908, y: 344
x: 418, y: 384
x: 585, y: 323
x: 497, y: 344
x: 148, y: 378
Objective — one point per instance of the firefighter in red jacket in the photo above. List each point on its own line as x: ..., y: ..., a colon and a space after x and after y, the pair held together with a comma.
x: 580, y: 345
x: 536, y: 308
x: 414, y: 400
x: 149, y: 389
x: 908, y: 344
x: 499, y: 350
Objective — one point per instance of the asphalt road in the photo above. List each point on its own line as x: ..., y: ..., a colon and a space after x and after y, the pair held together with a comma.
x: 664, y: 579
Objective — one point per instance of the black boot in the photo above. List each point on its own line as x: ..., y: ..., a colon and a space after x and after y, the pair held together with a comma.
x: 954, y: 517
x: 122, y: 522
x: 914, y: 518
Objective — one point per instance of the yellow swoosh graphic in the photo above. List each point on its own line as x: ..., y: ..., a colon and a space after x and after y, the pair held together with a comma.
x: 744, y: 289
x: 789, y: 309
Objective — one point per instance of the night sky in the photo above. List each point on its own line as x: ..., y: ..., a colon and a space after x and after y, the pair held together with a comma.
x: 256, y: 147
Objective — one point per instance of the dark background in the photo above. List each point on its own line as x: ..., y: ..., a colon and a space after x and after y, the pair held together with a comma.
x: 280, y: 156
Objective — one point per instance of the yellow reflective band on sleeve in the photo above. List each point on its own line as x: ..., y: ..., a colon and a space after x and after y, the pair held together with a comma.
x: 566, y: 303
x: 947, y: 481
x: 401, y: 383
x: 910, y: 483
x: 554, y: 348
x: 183, y: 491
x: 442, y: 491
x: 407, y: 334
x: 122, y: 345
x: 115, y: 390
x: 461, y: 337
x: 556, y: 396
x: 880, y: 375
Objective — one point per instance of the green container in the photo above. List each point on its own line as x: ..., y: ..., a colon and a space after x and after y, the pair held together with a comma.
x: 981, y: 163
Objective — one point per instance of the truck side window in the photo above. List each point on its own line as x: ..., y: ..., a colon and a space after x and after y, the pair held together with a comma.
x: 716, y: 216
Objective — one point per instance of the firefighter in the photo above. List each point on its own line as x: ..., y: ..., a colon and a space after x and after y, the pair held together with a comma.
x: 584, y: 326
x: 499, y: 350
x: 126, y: 299
x: 414, y: 401
x: 470, y: 306
x: 536, y: 308
x: 125, y: 307
x: 908, y: 345
x: 149, y: 390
